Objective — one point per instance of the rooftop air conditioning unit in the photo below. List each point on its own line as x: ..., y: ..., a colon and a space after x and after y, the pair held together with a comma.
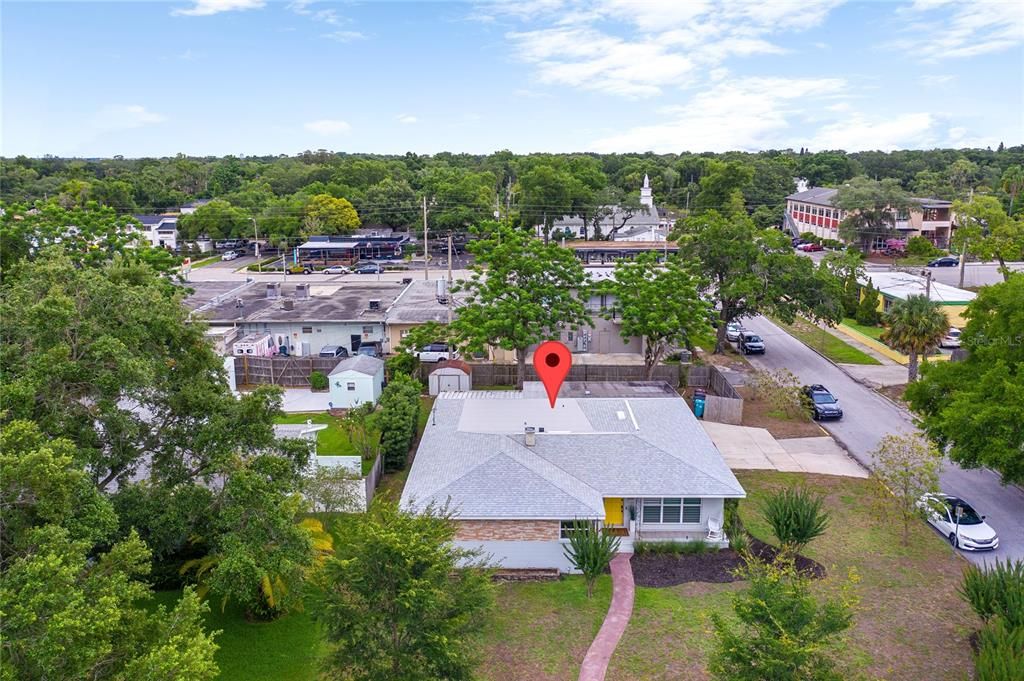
x: 273, y: 290
x: 374, y: 304
x: 302, y: 291
x: 288, y: 304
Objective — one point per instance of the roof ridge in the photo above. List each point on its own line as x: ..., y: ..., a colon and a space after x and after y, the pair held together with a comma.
x: 522, y: 455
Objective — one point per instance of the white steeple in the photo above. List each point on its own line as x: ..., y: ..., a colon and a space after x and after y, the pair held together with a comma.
x: 646, y: 197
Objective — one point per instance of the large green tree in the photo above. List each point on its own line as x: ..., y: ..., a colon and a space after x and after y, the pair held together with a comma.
x: 872, y: 209
x: 971, y: 409
x: 217, y: 220
x: 914, y: 326
x: 754, y: 271
x: 328, y: 215
x: 521, y: 291
x: 721, y: 187
x: 985, y: 229
x: 390, y: 202
x: 399, y: 600
x: 659, y: 302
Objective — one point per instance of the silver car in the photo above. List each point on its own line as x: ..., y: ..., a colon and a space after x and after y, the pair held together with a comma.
x: 951, y: 339
x: 733, y: 331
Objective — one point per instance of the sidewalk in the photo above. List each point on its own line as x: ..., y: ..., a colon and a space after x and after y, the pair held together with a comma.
x: 595, y: 664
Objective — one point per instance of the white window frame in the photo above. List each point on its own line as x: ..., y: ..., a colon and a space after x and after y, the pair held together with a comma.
x: 564, y: 526
x: 351, y: 386
x: 679, y: 508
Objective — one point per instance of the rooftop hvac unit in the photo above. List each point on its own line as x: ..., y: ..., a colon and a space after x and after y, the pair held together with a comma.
x: 287, y: 304
x: 374, y: 304
x: 273, y: 290
x: 302, y: 291
x: 442, y: 291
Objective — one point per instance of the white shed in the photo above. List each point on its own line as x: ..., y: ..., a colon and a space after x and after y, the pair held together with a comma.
x: 451, y: 376
x: 356, y: 380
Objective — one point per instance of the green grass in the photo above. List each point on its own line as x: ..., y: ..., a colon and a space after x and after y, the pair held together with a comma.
x: 205, y: 261
x: 825, y: 343
x: 874, y: 332
x: 285, y: 648
x: 333, y: 440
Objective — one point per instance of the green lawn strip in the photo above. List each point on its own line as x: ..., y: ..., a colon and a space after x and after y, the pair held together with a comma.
x: 825, y: 343
x: 205, y: 261
x: 286, y: 648
x: 874, y: 332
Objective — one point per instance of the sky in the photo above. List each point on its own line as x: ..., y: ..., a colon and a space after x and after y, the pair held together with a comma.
x: 257, y: 77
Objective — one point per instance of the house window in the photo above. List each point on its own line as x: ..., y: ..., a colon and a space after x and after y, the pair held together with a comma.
x: 367, y: 330
x: 671, y: 510
x: 307, y: 329
x: 351, y: 386
x: 566, y: 527
x: 405, y: 333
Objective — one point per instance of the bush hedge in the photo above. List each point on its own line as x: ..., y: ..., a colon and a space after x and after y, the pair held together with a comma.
x: 399, y: 413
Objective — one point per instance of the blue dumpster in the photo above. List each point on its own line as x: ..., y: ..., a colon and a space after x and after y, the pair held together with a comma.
x: 699, y: 397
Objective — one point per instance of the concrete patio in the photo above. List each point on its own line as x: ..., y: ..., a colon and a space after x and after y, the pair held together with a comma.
x: 746, y: 448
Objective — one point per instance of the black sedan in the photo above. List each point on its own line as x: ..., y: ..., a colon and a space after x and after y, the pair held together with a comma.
x: 824, y: 404
x: 945, y: 261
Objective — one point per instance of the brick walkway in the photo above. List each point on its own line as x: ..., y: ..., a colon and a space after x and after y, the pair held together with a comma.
x: 595, y: 664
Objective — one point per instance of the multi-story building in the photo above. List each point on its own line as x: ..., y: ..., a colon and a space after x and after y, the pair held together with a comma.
x: 160, y: 230
x: 646, y: 223
x: 813, y: 211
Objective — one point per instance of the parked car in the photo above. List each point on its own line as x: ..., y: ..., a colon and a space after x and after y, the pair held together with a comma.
x: 369, y: 349
x: 733, y: 331
x: 945, y: 261
x: 971, y: 533
x: 824, y: 404
x: 369, y: 268
x: 335, y: 269
x: 436, y: 352
x: 751, y: 343
x: 951, y: 339
x: 333, y: 351
x: 811, y: 247
x: 796, y: 241
x: 229, y: 255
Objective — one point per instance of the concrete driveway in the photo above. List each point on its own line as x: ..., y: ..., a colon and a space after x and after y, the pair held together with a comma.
x: 746, y: 448
x: 868, y: 417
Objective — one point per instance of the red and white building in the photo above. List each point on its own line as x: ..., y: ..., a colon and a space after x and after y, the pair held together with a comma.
x: 812, y: 211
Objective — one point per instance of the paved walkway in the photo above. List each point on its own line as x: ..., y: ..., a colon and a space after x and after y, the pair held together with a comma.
x: 745, y: 448
x: 595, y: 664
x: 301, y: 400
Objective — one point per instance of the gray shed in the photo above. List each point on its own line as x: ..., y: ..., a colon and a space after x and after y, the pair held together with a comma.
x: 451, y: 376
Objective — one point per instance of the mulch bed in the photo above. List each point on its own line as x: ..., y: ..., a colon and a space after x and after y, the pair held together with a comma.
x: 670, y: 569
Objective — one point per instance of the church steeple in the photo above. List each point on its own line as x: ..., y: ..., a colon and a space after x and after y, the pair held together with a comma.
x: 646, y: 196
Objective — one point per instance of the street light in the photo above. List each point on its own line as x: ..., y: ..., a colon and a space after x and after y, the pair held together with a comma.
x: 256, y: 249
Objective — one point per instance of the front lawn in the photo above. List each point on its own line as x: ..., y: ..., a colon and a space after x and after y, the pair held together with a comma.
x: 874, y: 332
x: 205, y: 261
x: 821, y: 340
x: 910, y: 623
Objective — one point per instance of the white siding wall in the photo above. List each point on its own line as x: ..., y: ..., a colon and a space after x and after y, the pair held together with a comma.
x: 523, y: 554
x: 368, y: 388
x: 321, y: 334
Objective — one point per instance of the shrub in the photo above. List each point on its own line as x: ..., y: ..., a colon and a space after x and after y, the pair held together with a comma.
x: 996, y: 592
x: 796, y: 517
x: 921, y: 247
x: 867, y: 309
x: 590, y: 551
x: 781, y: 389
x: 400, y: 408
x: 680, y: 548
x: 401, y: 363
x: 317, y: 381
x: 1000, y: 655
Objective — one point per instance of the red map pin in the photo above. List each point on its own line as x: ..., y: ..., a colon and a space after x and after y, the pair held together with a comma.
x: 552, y: 360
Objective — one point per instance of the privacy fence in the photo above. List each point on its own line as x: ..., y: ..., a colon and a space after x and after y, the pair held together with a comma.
x: 486, y: 375
x: 723, y: 404
x: 289, y: 372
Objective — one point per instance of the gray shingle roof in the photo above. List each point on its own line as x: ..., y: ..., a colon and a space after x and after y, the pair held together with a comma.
x: 473, y: 455
x: 362, y: 364
x: 821, y: 196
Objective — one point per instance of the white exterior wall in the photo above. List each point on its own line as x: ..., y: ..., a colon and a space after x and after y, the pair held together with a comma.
x: 522, y: 554
x: 354, y: 465
x: 321, y: 334
x: 367, y: 388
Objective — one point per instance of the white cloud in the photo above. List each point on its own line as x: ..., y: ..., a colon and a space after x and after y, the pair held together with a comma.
x: 635, y: 48
x: 405, y: 119
x: 937, y: 79
x: 204, y: 8
x: 345, y: 36
x: 858, y: 132
x: 944, y: 29
x: 746, y: 114
x: 125, y: 117
x: 328, y: 127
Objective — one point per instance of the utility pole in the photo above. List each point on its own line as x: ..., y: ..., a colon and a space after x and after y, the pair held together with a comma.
x: 927, y: 284
x: 426, y: 243
x: 256, y: 247
x: 449, y: 291
x: 963, y: 262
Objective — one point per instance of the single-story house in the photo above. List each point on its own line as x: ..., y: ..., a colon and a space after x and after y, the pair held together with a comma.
x: 358, y: 488
x: 421, y: 302
x: 516, y: 474
x: 301, y: 317
x: 356, y: 380
x: 893, y: 286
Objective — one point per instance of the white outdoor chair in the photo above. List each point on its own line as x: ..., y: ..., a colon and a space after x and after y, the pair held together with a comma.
x: 715, y: 532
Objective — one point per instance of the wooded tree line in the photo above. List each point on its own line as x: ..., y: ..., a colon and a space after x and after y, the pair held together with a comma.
x: 278, y: 195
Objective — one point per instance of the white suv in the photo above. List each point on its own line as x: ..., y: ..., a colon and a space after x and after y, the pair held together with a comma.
x: 436, y: 352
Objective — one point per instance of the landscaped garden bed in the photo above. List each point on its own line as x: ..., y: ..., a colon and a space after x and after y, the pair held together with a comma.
x: 716, y: 566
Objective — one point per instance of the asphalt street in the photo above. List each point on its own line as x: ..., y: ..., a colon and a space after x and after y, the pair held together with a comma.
x: 867, y: 417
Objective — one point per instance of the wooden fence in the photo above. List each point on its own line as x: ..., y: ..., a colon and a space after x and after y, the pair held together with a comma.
x: 485, y: 375
x: 289, y: 372
x: 723, y: 404
x: 373, y: 478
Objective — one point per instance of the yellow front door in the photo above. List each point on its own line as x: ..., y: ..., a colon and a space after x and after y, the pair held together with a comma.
x: 613, y: 511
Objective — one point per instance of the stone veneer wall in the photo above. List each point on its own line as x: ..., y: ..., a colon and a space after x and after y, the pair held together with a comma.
x: 507, y: 530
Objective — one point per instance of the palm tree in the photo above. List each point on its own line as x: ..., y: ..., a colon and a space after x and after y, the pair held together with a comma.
x: 913, y: 326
